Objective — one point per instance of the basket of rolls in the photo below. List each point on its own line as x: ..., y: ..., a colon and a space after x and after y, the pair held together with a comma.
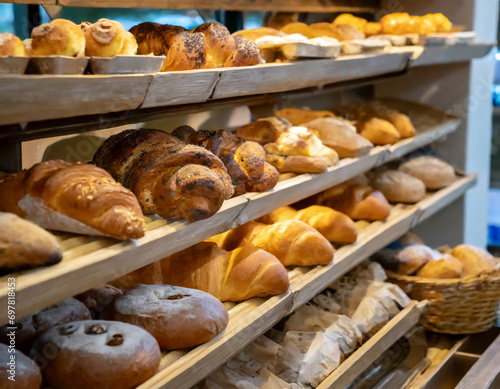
x: 462, y: 285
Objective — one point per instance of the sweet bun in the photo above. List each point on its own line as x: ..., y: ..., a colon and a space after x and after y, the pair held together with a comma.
x: 399, y: 187
x: 59, y: 37
x: 96, y: 354
x: 27, y: 373
x: 177, y: 317
x: 107, y: 38
x: 413, y: 257
x: 129, y: 44
x: 474, y: 259
x: 445, y: 267
x: 435, y: 173
x: 11, y: 45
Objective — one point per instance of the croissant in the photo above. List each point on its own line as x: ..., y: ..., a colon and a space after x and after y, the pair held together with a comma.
x: 169, y: 178
x: 293, y: 242
x: 245, y: 161
x: 77, y: 198
x: 236, y: 275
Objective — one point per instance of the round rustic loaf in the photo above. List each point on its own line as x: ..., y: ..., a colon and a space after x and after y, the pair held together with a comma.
x: 177, y: 317
x: 96, y: 354
x: 399, y: 187
x: 25, y: 371
x: 435, y: 173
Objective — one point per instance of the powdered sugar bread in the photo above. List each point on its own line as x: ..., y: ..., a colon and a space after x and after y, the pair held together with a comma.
x: 177, y: 317
x: 96, y: 354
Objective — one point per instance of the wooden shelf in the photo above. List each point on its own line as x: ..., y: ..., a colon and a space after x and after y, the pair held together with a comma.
x: 235, y: 5
x: 89, y: 261
x: 368, y: 353
x: 250, y: 319
x: 23, y: 98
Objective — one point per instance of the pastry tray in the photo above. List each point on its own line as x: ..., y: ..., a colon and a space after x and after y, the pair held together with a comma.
x: 126, y: 64
x: 13, y: 65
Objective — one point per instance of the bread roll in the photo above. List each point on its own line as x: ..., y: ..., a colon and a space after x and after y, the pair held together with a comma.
x: 474, y: 259
x: 25, y: 371
x: 413, y: 257
x: 378, y: 131
x: 59, y: 37
x: 298, y: 116
x: 236, y: 275
x: 445, y: 267
x: 434, y: 173
x: 351, y: 20
x: 298, y: 164
x: 263, y: 131
x: 341, y: 136
x: 396, y: 24
x: 372, y: 29
x: 129, y: 44
x: 24, y: 245
x: 107, y: 38
x: 96, y: 354
x: 400, y: 121
x: 293, y: 242
x: 399, y: 187
x: 11, y: 45
x: 440, y: 22
x: 99, y: 300
x: 32, y: 326
x: 177, y: 317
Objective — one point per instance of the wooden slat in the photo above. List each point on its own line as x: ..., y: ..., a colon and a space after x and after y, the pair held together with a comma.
x: 435, y: 55
x: 27, y: 98
x: 363, y: 357
x: 279, y: 77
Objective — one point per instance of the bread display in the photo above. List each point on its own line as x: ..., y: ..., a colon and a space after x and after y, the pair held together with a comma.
x: 207, y: 46
x: 107, y: 38
x: 445, y: 267
x: 11, y: 45
x: 433, y: 172
x: 59, y: 37
x: 359, y: 202
x: 245, y: 161
x: 341, y: 136
x: 474, y: 259
x: 169, y: 178
x: 399, y: 187
x: 79, y: 198
x: 32, y: 326
x: 333, y: 225
x: 235, y: 275
x: 26, y: 372
x: 298, y: 116
x: 263, y: 131
x: 177, y: 317
x: 293, y: 242
x: 99, y: 300
x: 341, y: 32
x: 96, y: 354
x: 24, y: 245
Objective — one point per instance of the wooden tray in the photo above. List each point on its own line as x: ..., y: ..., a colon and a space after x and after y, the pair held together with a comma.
x: 435, y: 55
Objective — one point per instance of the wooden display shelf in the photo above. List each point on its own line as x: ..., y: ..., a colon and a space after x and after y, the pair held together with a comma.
x: 437, y: 55
x: 234, y: 5
x: 368, y: 353
x: 248, y: 320
x: 89, y: 261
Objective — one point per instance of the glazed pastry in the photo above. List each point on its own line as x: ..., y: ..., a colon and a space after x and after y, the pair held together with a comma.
x: 11, y: 45
x: 59, y: 37
x: 27, y: 373
x: 169, y: 178
x: 236, y: 275
x: 177, y: 317
x: 78, y: 198
x: 24, y: 245
x: 97, y: 354
x: 434, y: 173
x: 399, y: 187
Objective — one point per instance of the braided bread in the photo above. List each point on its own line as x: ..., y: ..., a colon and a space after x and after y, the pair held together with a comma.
x: 169, y: 177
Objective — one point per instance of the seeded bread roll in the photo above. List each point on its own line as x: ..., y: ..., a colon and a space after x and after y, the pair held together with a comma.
x: 177, y: 317
x: 96, y: 354
x: 435, y: 174
x: 26, y: 372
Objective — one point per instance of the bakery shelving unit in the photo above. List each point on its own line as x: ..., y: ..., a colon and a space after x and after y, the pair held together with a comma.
x: 26, y: 114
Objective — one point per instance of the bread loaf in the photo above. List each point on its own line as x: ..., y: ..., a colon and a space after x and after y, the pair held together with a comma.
x: 333, y: 225
x: 169, y: 178
x: 264, y: 131
x: 341, y: 136
x: 445, y: 267
x: 378, y: 131
x: 32, y: 326
x: 78, y: 198
x: 240, y: 274
x: 96, y: 354
x: 11, y: 45
x: 400, y: 121
x: 298, y: 164
x: 177, y: 317
x: 99, y: 300
x: 59, y: 37
x: 293, y: 242
x: 298, y: 116
x: 25, y: 372
x: 474, y: 259
x: 413, y: 257
x: 399, y: 187
x: 434, y: 173
x: 24, y: 245
x: 107, y: 38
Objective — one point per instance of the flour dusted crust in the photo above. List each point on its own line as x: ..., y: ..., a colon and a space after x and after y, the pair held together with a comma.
x: 177, y: 317
x: 28, y: 374
x: 399, y: 187
x: 435, y: 174
x: 96, y: 354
